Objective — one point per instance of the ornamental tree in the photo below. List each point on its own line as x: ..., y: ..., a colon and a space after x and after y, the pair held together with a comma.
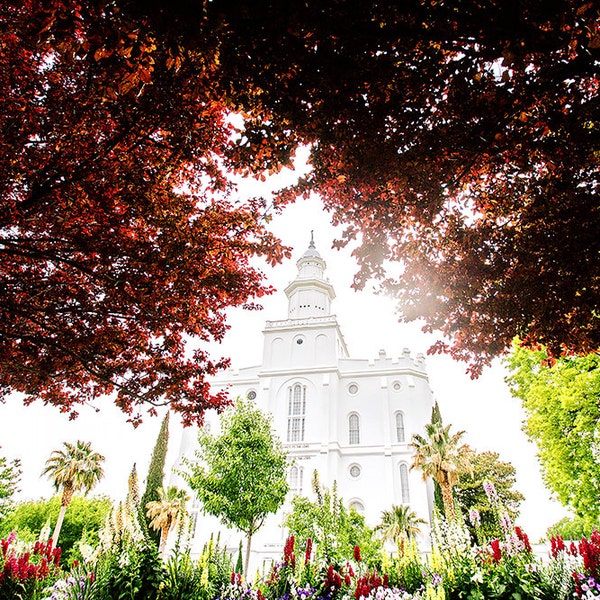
x: 561, y: 404
x: 440, y: 455
x: 156, y: 474
x: 166, y: 513
x: 240, y: 475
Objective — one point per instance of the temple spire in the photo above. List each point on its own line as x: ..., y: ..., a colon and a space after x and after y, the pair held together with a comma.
x: 310, y: 294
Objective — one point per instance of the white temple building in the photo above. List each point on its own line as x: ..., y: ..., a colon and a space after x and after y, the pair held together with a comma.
x: 350, y: 419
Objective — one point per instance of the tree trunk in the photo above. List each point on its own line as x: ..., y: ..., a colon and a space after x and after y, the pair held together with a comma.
x: 59, y: 522
x: 247, y: 559
x: 164, y: 534
x: 448, y: 499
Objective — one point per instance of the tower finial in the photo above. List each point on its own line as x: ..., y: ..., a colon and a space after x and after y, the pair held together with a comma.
x: 312, y: 239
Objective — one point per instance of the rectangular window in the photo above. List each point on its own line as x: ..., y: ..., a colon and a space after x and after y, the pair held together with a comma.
x: 400, y: 435
x: 296, y: 412
x: 353, y: 429
x: 404, y: 484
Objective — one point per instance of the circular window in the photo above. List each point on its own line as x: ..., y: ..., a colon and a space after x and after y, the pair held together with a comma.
x: 354, y: 471
x: 299, y: 341
x: 251, y: 395
x: 353, y: 389
x: 358, y: 506
x: 396, y: 386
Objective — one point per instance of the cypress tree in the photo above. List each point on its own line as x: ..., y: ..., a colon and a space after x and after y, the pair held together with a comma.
x: 155, y: 477
x: 239, y: 565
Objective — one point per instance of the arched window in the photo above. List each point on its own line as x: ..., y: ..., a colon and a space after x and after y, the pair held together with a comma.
x: 295, y: 479
x: 353, y: 429
x: 296, y: 413
x: 358, y: 506
x: 400, y: 435
x: 404, y: 491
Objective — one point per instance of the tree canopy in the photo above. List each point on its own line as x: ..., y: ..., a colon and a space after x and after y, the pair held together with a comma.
x: 118, y: 241
x: 441, y: 455
x: 456, y: 142
x: 561, y: 404
x: 240, y: 475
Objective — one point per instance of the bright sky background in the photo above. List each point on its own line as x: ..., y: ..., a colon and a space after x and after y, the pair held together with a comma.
x: 483, y: 408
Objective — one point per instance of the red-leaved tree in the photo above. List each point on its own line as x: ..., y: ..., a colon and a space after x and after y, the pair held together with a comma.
x: 120, y: 242
x: 457, y: 142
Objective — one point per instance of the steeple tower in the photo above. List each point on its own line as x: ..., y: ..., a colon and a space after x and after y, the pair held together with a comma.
x: 310, y: 294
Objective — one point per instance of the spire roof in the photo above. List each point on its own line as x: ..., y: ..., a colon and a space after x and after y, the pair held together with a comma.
x: 312, y: 252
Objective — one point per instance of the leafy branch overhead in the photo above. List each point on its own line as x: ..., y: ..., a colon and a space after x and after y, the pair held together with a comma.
x: 457, y: 143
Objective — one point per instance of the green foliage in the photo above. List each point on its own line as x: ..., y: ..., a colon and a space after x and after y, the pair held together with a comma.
x: 129, y: 571
x: 84, y: 519
x: 154, y: 480
x: 333, y: 529
x: 571, y: 528
x: 10, y: 473
x: 470, y: 493
x: 186, y: 580
x: 561, y: 403
x: 241, y: 474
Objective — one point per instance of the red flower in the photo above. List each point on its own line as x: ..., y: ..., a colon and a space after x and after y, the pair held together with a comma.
x: 496, y: 550
x: 289, y: 558
x: 557, y: 544
x: 357, y: 557
x: 333, y: 579
x: 308, y: 551
x: 524, y: 538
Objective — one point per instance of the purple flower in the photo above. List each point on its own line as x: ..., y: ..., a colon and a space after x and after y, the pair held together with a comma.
x: 491, y: 492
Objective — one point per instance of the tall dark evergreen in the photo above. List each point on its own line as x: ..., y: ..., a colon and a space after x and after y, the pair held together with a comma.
x: 154, y: 480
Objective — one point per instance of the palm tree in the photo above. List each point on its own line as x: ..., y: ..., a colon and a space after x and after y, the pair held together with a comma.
x: 75, y: 468
x: 440, y: 455
x: 398, y: 522
x: 166, y: 512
